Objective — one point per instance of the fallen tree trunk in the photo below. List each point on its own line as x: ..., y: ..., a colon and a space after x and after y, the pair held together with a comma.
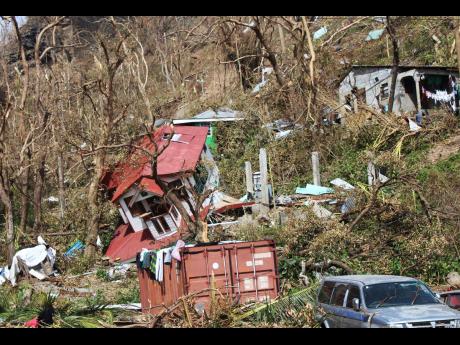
x: 326, y: 264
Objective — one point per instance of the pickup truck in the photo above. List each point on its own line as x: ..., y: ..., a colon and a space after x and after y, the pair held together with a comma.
x: 381, y: 301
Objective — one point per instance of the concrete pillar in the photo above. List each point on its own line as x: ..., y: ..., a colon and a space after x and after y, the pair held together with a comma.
x: 355, y: 103
x: 249, y: 180
x: 315, y: 167
x: 417, y: 90
x: 264, y: 177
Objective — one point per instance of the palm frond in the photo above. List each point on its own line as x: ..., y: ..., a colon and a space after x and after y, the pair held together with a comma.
x: 284, y: 308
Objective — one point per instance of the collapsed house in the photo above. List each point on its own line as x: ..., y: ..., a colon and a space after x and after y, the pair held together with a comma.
x: 149, y: 220
x: 417, y: 88
x: 186, y: 166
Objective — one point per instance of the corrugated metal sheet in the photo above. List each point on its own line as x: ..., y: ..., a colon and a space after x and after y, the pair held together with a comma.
x: 126, y: 243
x: 243, y: 272
x: 179, y: 156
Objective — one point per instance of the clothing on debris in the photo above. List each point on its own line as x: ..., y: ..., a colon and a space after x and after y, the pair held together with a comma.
x: 31, y: 257
x: 153, y: 260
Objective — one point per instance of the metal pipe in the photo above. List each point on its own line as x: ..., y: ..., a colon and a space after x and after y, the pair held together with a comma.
x: 302, y: 275
x: 237, y: 269
x: 254, y: 271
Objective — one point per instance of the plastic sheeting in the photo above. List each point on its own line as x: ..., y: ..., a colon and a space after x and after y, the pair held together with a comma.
x: 342, y: 184
x: 312, y: 189
x: 374, y: 34
x: 31, y: 257
x: 319, y: 33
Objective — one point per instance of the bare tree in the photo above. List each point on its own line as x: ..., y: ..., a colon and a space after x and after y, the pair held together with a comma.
x: 395, y: 67
x: 135, y: 59
x: 42, y: 109
x: 112, y: 57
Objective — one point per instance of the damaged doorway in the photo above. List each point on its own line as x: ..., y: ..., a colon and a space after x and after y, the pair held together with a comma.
x: 409, y: 101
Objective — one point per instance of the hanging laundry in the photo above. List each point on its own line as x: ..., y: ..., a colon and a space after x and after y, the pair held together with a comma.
x: 176, y: 251
x: 138, y: 261
x: 147, y: 260
x: 441, y: 96
x: 159, y: 265
x: 163, y: 257
x: 168, y: 257
x: 153, y: 261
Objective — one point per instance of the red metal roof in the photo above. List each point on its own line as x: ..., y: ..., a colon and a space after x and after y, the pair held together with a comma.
x: 234, y: 206
x: 151, y: 186
x: 179, y: 156
x: 126, y: 243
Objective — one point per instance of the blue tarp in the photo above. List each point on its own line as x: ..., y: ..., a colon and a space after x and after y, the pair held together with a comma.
x: 374, y: 34
x: 319, y: 33
x: 258, y: 86
x: 311, y: 189
x: 76, y: 246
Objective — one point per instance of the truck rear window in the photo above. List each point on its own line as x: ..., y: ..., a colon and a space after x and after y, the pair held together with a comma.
x: 339, y: 294
x: 454, y: 301
x: 326, y: 292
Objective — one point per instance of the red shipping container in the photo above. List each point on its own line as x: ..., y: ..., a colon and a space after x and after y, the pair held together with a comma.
x: 243, y: 272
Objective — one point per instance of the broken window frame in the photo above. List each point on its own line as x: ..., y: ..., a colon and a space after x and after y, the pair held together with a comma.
x: 160, y: 227
x: 384, y: 91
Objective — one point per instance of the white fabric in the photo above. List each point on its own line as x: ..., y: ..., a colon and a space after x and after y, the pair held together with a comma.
x: 40, y: 240
x: 167, y: 258
x: 164, y: 256
x: 159, y: 265
x: 31, y: 257
x: 142, y: 254
x: 175, y: 252
x: 413, y: 127
x: 442, y: 95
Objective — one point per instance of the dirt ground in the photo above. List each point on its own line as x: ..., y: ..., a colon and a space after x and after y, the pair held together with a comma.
x: 120, y: 290
x: 444, y: 149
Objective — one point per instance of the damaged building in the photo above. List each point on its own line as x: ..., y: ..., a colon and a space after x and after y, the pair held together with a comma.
x: 149, y: 220
x: 417, y: 88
